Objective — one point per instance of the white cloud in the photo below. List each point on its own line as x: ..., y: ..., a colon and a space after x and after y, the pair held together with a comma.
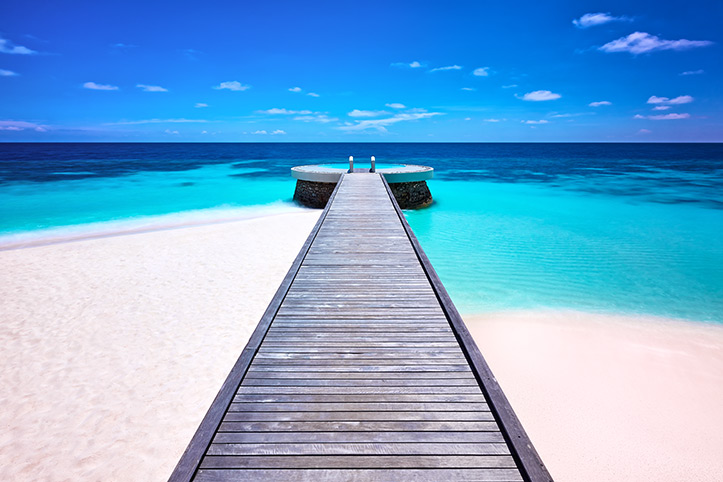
x: 644, y: 131
x: 7, y: 47
x: 683, y: 99
x: 396, y: 105
x: 599, y: 103
x: 7, y: 73
x: 693, y: 72
x: 169, y: 131
x: 380, y: 124
x: 542, y: 121
x: 540, y: 95
x: 468, y: 118
x: 671, y: 116
x: 9, y: 125
x: 323, y: 118
x: 481, y: 72
x: 278, y: 132
x: 313, y: 94
x: 232, y: 85
x: 642, y: 42
x: 94, y: 86
x: 509, y: 86
x: 411, y: 65
x: 277, y: 111
x: 295, y: 89
x: 492, y: 120
x: 592, y: 19
x: 661, y: 107
x: 157, y: 121
x: 151, y: 88
x: 200, y: 105
x: 367, y: 113
x: 260, y: 132
x: 447, y: 67
x: 468, y: 89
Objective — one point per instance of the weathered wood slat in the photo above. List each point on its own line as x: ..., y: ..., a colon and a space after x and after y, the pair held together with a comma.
x: 358, y: 416
x: 359, y: 448
x: 357, y: 437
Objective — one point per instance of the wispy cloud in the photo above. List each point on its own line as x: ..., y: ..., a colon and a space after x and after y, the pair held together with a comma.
x: 511, y: 86
x: 541, y: 121
x: 157, y: 121
x: 671, y: 116
x: 381, y: 124
x: 313, y: 94
x: 322, y: 118
x: 592, y: 19
x: 172, y: 132
x: 10, y: 125
x: 295, y: 89
x: 600, y: 103
x: 446, y: 67
x: 540, y: 95
x: 232, y: 85
x: 644, y: 131
x: 481, y: 72
x: 396, y: 105
x: 469, y: 89
x: 410, y: 65
x: 94, y: 86
x: 200, y: 105
x: 493, y: 120
x: 683, y: 99
x: 693, y: 72
x: 277, y: 111
x: 661, y: 107
x: 121, y: 45
x: 277, y: 132
x: 7, y: 47
x: 367, y: 113
x: 151, y: 88
x: 642, y: 42
x: 7, y: 73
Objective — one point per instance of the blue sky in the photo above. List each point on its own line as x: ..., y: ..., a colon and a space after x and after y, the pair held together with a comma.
x: 477, y: 71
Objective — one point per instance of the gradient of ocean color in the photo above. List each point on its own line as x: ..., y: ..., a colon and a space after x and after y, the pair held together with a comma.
x: 618, y: 228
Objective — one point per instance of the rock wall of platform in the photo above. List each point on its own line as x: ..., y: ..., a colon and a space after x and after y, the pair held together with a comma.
x: 409, y: 195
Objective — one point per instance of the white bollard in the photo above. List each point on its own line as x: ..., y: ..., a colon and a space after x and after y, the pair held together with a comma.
x: 373, y: 169
x: 351, y: 163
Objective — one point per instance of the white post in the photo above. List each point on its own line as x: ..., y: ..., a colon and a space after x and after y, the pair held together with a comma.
x: 373, y: 169
x: 351, y: 163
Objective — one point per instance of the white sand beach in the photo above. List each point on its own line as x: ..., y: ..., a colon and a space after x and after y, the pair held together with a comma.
x: 114, y: 348
x: 610, y: 398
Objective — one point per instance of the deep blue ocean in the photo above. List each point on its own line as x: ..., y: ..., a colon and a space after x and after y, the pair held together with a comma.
x: 613, y: 228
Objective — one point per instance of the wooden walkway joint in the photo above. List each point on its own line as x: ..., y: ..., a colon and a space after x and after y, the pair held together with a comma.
x: 361, y: 369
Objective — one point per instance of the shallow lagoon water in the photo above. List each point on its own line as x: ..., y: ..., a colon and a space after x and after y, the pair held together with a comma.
x: 618, y: 228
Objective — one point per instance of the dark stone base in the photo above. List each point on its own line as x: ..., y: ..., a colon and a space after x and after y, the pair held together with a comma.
x: 313, y: 194
x: 409, y: 195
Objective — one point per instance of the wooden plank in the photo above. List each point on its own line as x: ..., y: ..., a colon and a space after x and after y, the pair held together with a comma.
x: 359, y: 449
x: 277, y: 474
x: 357, y: 437
x: 322, y: 415
x: 359, y: 426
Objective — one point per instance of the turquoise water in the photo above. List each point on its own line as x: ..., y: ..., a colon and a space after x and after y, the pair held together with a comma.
x: 631, y: 229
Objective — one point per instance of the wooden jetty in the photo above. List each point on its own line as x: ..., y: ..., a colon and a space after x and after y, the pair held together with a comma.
x: 361, y: 369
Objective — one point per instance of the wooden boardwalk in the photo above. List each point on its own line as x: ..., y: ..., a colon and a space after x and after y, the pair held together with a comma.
x: 361, y: 369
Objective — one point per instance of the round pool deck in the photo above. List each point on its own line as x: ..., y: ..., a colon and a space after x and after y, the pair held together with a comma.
x: 403, y: 173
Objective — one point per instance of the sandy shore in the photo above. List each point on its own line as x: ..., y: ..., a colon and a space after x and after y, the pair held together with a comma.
x: 114, y: 348
x: 610, y: 398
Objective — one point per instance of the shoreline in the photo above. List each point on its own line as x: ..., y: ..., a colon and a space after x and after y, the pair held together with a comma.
x: 142, y: 224
x: 611, y: 397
